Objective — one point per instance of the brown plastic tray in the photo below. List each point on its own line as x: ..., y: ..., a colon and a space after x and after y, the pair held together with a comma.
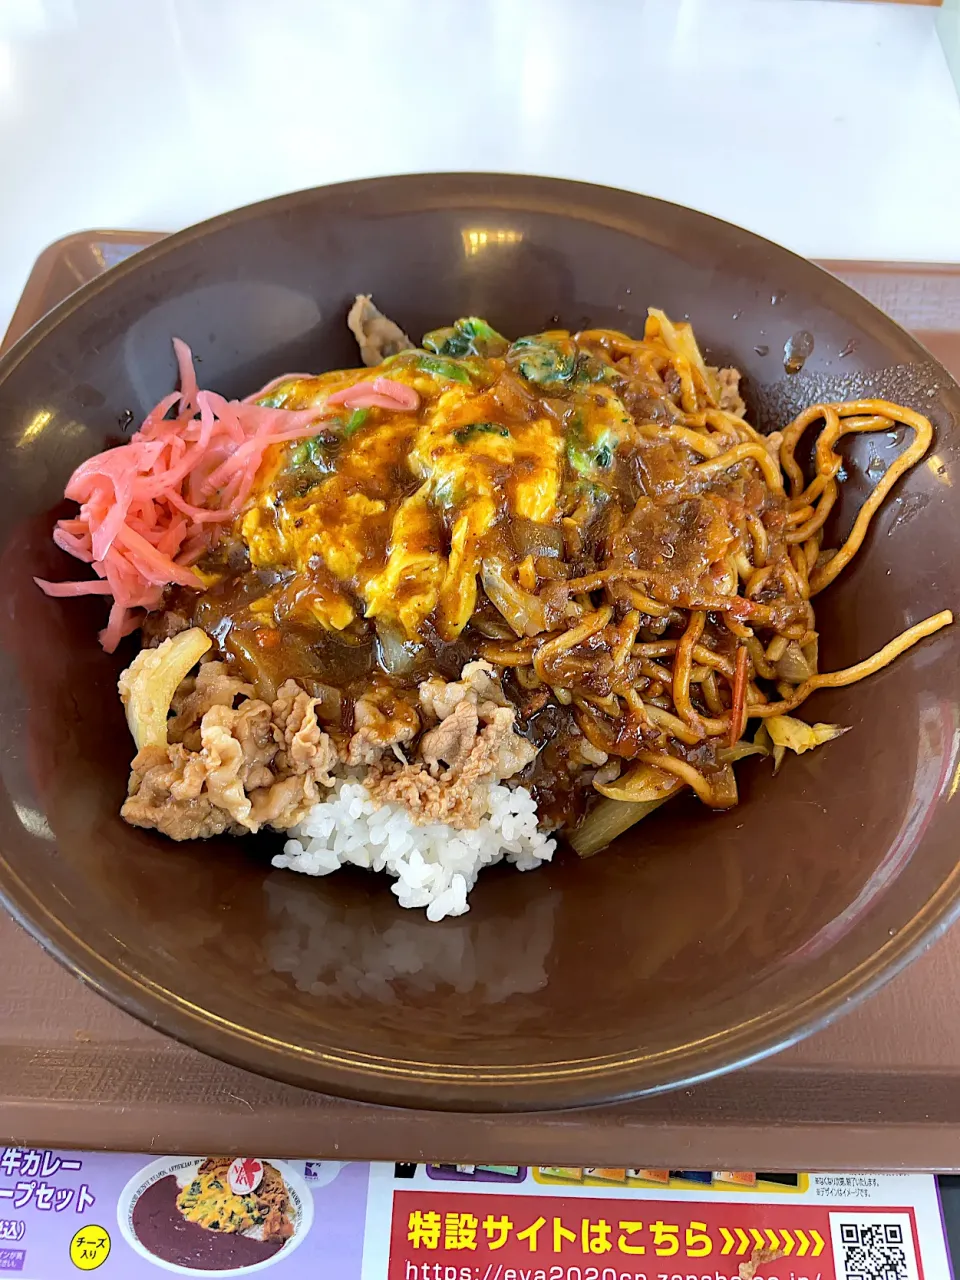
x: 879, y: 1089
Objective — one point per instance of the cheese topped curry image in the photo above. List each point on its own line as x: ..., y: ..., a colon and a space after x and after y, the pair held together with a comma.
x: 210, y: 1202
x: 193, y: 1219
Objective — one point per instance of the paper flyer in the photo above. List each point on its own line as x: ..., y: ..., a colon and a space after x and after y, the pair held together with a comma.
x: 136, y: 1217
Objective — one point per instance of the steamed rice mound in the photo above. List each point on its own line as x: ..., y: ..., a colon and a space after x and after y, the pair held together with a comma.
x: 414, y: 790
x: 435, y: 866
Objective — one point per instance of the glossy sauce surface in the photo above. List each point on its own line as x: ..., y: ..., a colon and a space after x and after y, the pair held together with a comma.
x: 360, y: 557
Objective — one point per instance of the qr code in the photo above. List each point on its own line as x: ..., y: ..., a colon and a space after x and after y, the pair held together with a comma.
x: 875, y: 1246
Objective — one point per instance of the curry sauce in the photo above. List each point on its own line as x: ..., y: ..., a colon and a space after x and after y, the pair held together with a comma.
x: 392, y: 546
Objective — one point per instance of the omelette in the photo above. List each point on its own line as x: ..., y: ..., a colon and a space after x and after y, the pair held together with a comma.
x: 391, y: 515
x: 210, y: 1202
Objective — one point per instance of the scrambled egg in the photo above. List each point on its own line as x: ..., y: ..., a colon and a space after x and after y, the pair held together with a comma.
x: 209, y: 1202
x: 390, y: 517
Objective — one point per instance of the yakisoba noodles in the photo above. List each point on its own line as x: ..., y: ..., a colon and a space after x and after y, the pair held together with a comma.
x: 482, y: 592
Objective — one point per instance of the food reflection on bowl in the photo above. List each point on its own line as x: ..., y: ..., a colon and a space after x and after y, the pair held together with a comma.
x: 219, y: 1215
x: 339, y: 950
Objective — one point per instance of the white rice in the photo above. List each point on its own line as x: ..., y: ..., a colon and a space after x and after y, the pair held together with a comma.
x: 435, y: 866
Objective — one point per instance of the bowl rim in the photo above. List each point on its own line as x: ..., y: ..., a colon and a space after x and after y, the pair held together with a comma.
x: 533, y: 1087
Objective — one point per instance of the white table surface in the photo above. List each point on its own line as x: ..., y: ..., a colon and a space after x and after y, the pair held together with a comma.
x: 831, y: 127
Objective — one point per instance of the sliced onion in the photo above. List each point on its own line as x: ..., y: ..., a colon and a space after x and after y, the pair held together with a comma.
x: 723, y: 785
x: 241, y: 646
x: 811, y: 651
x: 397, y: 654
x: 534, y: 539
x: 762, y: 739
x: 149, y: 683
x: 329, y: 700
x: 523, y: 610
x: 608, y: 820
x: 793, y: 664
x: 640, y: 784
x: 796, y: 735
x: 740, y: 751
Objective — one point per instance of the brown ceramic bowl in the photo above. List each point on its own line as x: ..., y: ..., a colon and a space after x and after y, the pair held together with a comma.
x: 699, y: 941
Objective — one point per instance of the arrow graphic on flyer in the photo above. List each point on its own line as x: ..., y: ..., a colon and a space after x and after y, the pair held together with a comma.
x: 817, y: 1243
x: 787, y: 1242
x: 744, y: 1241
x: 804, y: 1242
x: 727, y: 1240
x: 774, y: 1242
x: 758, y: 1238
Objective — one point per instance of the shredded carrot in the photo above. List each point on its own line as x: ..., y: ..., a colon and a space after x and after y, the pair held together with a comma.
x: 738, y: 705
